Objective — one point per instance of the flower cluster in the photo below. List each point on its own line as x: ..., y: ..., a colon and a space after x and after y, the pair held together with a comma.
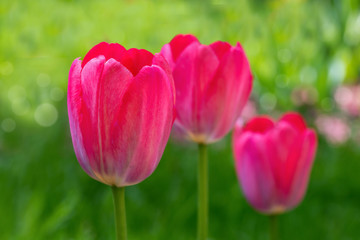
x: 122, y: 105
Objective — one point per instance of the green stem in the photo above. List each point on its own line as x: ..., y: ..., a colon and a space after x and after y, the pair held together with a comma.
x: 274, y: 227
x: 120, y: 214
x: 202, y: 228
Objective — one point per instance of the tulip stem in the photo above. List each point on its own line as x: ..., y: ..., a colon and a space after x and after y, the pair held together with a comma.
x: 274, y: 227
x: 202, y: 224
x: 120, y: 214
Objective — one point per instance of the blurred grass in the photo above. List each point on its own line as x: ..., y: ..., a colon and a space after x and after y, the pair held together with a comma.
x: 44, y: 194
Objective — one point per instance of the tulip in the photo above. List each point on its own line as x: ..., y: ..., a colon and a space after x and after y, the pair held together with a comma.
x: 121, y: 111
x: 273, y: 161
x: 213, y: 83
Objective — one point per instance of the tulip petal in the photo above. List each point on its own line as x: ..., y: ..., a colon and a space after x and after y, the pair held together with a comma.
x: 75, y: 103
x: 89, y: 123
x: 303, y: 169
x: 254, y: 171
x: 90, y: 77
x: 114, y: 82
x: 283, y: 149
x: 295, y: 120
x: 108, y: 50
x: 230, y: 98
x: 74, y: 89
x: 220, y: 48
x: 261, y: 124
x: 96, y: 129
x: 180, y: 42
x: 135, y: 59
x: 166, y: 52
x: 160, y: 61
x: 197, y: 64
x: 145, y: 118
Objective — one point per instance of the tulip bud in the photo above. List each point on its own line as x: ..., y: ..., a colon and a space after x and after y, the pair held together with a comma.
x: 121, y: 111
x: 273, y: 161
x: 213, y: 83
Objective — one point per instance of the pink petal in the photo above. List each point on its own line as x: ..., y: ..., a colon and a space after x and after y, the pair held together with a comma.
x: 135, y: 59
x: 166, y: 52
x: 145, y: 118
x: 112, y: 50
x: 96, y: 128
x: 114, y: 81
x: 74, y: 101
x: 89, y: 126
x: 74, y: 89
x: 283, y: 149
x: 254, y: 171
x: 180, y: 42
x: 294, y: 119
x: 220, y: 48
x: 90, y: 78
x: 303, y: 168
x: 261, y: 124
x: 160, y: 61
x: 194, y: 69
x: 224, y: 102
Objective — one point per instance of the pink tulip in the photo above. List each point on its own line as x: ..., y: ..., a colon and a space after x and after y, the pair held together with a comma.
x: 213, y: 83
x: 273, y: 161
x: 121, y: 111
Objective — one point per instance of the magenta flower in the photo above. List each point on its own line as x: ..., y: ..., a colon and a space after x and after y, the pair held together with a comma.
x: 213, y: 83
x: 273, y: 161
x: 121, y: 111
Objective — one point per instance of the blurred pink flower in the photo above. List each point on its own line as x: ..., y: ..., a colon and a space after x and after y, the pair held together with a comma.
x: 213, y: 83
x: 273, y: 161
x: 348, y: 99
x: 335, y: 129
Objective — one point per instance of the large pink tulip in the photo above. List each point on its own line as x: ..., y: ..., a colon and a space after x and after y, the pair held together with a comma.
x: 121, y: 111
x: 213, y: 83
x: 273, y: 161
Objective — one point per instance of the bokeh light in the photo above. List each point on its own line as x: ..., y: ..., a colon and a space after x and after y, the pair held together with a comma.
x: 8, y: 125
x: 46, y: 114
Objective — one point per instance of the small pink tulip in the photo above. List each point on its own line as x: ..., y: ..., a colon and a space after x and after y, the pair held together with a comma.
x: 213, y: 83
x: 121, y: 111
x: 273, y: 161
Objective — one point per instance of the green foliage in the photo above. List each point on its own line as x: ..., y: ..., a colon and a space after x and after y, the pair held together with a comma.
x: 44, y: 194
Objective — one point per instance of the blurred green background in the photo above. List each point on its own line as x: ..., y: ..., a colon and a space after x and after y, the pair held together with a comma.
x: 300, y: 52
